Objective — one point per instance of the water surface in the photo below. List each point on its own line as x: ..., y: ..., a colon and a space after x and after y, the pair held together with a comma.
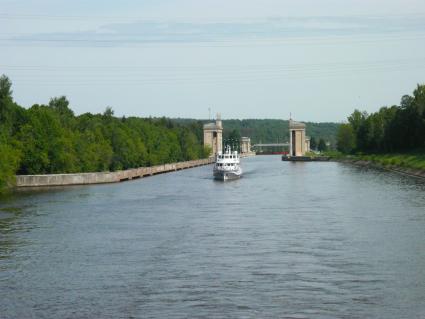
x: 288, y: 240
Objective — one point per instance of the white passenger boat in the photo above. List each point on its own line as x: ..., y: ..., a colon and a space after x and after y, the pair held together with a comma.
x: 227, y: 165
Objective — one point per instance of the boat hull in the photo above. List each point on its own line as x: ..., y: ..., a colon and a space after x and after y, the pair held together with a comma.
x: 227, y: 175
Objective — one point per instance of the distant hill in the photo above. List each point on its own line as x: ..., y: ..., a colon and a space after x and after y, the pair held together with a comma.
x: 272, y: 130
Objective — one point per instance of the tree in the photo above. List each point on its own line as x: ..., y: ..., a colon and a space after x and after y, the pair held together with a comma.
x: 109, y: 112
x: 92, y: 150
x: 5, y: 87
x: 5, y: 103
x: 313, y: 143
x: 406, y: 101
x: 206, y: 151
x: 40, y: 139
x: 322, y: 147
x: 61, y: 105
x: 346, y: 139
x: 189, y: 145
x: 234, y: 140
x: 9, y: 160
x: 391, y: 129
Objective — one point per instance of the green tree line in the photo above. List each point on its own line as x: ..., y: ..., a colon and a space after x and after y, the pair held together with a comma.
x: 46, y: 139
x: 399, y: 128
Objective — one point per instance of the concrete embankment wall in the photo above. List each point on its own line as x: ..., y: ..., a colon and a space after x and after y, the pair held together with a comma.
x: 401, y: 170
x: 104, y: 177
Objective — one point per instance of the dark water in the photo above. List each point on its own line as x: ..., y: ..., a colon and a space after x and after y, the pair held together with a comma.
x: 289, y: 240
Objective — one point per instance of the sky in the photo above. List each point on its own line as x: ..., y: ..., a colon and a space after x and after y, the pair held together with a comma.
x: 315, y: 59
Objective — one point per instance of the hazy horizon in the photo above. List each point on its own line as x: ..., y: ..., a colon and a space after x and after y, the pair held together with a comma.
x: 318, y: 60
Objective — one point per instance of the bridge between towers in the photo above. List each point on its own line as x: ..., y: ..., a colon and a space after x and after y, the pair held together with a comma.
x: 270, y: 144
x: 271, y: 148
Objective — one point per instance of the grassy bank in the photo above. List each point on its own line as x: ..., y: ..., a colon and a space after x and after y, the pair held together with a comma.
x: 411, y: 160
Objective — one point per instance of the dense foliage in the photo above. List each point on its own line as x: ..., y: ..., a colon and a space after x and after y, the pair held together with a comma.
x: 51, y: 139
x: 322, y: 147
x: 399, y: 128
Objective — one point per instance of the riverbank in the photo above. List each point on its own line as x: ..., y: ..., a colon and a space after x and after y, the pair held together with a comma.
x: 47, y: 180
x: 104, y: 177
x: 407, y: 164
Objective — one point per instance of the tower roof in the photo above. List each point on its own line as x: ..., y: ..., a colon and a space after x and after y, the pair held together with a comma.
x: 212, y: 126
x: 296, y: 125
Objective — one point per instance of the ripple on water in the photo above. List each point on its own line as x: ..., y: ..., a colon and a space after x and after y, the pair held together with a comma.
x: 286, y: 241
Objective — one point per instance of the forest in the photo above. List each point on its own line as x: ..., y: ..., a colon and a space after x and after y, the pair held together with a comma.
x: 46, y: 139
x: 395, y: 129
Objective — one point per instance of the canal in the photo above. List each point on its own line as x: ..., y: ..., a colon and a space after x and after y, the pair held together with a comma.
x: 288, y: 240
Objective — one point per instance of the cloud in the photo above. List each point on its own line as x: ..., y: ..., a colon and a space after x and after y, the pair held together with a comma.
x: 272, y: 28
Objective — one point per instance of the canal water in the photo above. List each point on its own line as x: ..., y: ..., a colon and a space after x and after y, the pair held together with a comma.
x: 288, y: 240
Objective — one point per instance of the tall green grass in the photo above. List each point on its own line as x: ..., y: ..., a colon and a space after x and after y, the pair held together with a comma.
x: 414, y: 160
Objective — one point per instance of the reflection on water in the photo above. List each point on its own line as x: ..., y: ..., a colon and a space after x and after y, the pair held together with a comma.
x: 9, y: 223
x: 291, y: 240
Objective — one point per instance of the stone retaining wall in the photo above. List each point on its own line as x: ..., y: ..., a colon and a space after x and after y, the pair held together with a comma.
x: 104, y: 177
